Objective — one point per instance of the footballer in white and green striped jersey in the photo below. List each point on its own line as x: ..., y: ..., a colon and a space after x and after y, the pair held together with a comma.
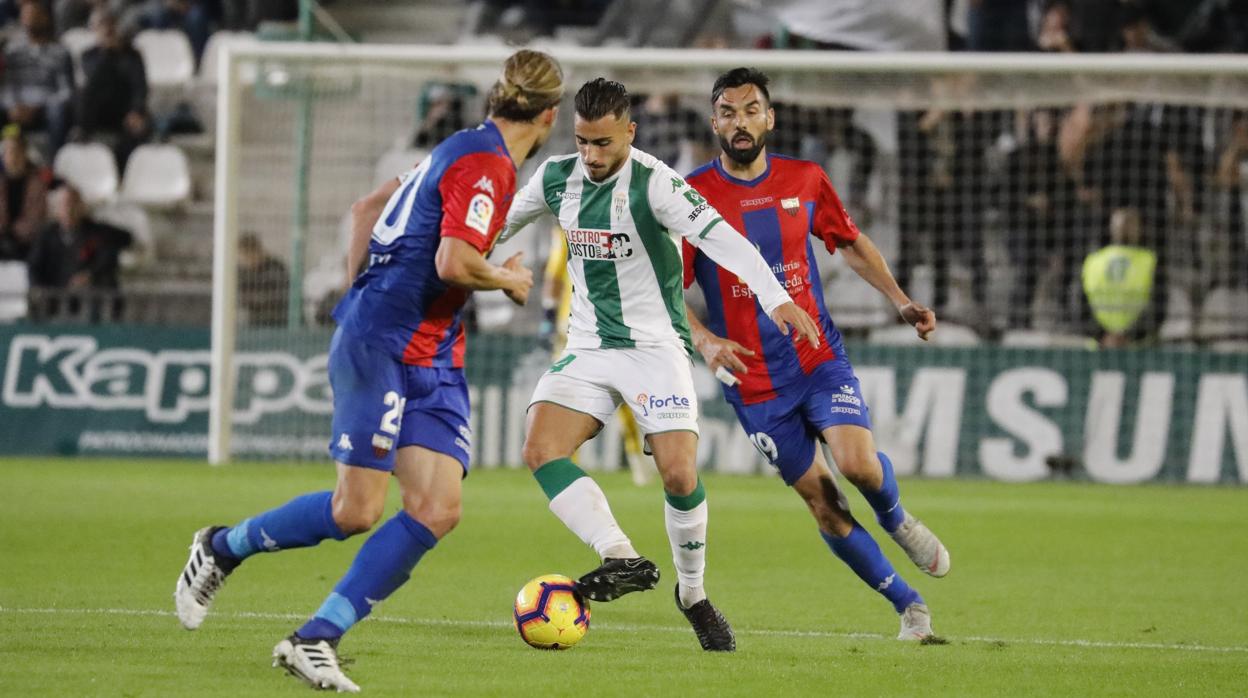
x: 624, y: 214
x: 624, y: 256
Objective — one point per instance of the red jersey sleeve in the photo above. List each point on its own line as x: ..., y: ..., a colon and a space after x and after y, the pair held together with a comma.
x: 687, y: 253
x: 476, y: 192
x: 832, y: 223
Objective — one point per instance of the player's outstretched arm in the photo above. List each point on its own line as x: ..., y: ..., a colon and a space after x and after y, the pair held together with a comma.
x: 364, y: 214
x: 460, y: 264
x: 718, y: 352
x: 865, y: 259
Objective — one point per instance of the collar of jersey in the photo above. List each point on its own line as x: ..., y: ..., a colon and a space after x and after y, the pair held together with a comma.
x: 719, y: 167
x: 492, y: 127
x: 585, y: 173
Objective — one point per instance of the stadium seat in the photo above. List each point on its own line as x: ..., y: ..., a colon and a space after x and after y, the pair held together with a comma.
x: 1039, y: 339
x: 393, y: 163
x: 14, y: 285
x: 167, y: 57
x: 133, y: 219
x: 157, y: 176
x: 208, y: 63
x: 91, y: 168
x: 947, y: 334
x: 77, y: 40
x: 1222, y: 315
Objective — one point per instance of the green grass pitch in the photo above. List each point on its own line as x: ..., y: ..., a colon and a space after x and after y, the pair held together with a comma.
x: 1056, y: 589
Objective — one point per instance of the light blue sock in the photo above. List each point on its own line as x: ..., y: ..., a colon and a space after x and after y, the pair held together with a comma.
x: 886, y: 501
x: 860, y: 552
x: 384, y: 563
x: 302, y: 522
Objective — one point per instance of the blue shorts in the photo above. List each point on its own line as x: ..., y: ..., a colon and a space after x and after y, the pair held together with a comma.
x: 785, y: 428
x: 382, y: 405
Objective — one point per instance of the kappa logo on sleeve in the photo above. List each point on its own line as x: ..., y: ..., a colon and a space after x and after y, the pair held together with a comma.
x: 480, y: 213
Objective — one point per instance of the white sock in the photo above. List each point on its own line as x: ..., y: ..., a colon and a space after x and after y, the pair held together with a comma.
x: 583, y: 508
x: 686, y: 531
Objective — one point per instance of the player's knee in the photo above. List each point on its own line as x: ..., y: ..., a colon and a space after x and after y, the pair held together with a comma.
x: 439, y: 517
x: 537, y: 453
x: 858, y: 465
x: 354, y: 517
x: 680, y: 481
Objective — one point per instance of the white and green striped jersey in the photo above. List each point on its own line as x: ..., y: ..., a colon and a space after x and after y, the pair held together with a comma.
x: 624, y: 252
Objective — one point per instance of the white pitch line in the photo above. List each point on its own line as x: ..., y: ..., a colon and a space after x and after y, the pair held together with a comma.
x: 253, y: 615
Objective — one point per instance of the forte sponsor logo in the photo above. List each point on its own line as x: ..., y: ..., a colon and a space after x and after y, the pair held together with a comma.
x: 672, y: 406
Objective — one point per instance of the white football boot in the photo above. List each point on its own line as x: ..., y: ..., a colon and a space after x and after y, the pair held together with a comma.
x: 202, y: 576
x: 916, y: 623
x: 314, y: 661
x: 922, y: 546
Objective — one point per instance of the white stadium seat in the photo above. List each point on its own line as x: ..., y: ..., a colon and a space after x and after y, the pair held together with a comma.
x: 14, y: 285
x: 133, y: 219
x: 393, y: 163
x: 167, y: 57
x: 208, y: 63
x: 77, y: 40
x: 158, y: 176
x: 90, y: 168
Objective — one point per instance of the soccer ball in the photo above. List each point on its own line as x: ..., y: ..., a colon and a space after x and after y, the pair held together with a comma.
x: 550, y: 613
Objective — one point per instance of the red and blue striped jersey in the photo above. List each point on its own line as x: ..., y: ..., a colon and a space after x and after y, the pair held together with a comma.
x: 778, y: 212
x: 399, y: 303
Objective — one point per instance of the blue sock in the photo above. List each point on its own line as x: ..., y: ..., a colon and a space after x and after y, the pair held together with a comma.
x: 860, y: 552
x: 384, y: 563
x: 302, y: 522
x: 886, y: 502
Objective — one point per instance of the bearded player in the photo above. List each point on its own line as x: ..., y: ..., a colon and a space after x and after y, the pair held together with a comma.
x: 396, y: 368
x: 787, y: 395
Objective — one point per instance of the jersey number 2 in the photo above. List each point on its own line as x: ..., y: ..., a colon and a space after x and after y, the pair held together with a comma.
x: 394, y: 416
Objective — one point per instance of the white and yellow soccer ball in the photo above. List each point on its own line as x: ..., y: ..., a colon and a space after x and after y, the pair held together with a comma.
x: 550, y: 613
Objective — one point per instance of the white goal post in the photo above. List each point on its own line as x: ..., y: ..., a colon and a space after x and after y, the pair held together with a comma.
x: 309, y: 107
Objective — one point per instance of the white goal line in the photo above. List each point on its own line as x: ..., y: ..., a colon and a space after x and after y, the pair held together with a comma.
x: 633, y: 628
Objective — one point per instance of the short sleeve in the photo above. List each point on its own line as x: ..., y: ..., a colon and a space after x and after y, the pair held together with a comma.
x: 687, y: 253
x: 832, y: 223
x: 476, y: 193
x: 679, y: 207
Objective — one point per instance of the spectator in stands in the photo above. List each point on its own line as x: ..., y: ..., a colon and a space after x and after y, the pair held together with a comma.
x: 23, y: 205
x: 443, y: 116
x: 38, y: 83
x: 998, y: 25
x: 1230, y: 225
x: 1118, y: 281
x: 263, y: 283
x: 944, y: 154
x: 862, y: 25
x: 1055, y: 34
x: 74, y: 251
x: 1042, y: 215
x: 672, y: 132
x: 113, y: 102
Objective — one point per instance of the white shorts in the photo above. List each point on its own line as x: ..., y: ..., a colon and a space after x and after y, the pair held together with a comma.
x: 655, y: 382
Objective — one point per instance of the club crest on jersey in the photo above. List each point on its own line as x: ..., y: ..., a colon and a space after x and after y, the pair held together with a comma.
x: 599, y: 244
x: 619, y: 202
x: 791, y: 205
x: 480, y: 213
x: 485, y: 184
x: 382, y: 445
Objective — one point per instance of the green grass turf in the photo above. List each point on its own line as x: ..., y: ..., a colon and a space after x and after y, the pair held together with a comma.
x: 1141, y: 572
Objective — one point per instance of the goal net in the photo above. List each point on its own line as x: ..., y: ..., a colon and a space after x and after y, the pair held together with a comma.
x: 1078, y: 223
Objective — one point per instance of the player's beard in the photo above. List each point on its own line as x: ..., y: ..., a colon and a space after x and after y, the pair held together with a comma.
x: 743, y: 156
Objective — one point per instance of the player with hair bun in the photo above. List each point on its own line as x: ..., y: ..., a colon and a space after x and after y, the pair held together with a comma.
x: 396, y: 369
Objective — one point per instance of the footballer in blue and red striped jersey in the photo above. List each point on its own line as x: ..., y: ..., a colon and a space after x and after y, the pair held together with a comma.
x: 780, y: 211
x: 789, y: 395
x: 400, y: 323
